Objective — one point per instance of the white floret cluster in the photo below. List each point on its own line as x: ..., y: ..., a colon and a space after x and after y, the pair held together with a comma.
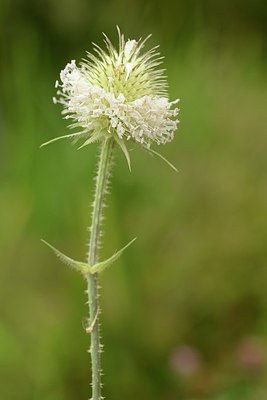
x: 118, y: 93
x: 101, y: 112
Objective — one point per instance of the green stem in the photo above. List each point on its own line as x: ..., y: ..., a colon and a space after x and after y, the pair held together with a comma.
x: 102, y: 179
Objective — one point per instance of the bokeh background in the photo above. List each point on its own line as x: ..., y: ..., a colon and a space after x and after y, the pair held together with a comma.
x: 185, y: 308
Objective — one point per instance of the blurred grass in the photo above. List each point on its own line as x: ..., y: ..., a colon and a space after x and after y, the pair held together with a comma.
x: 196, y: 276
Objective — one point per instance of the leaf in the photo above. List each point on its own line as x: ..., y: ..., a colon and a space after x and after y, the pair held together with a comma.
x: 101, y: 266
x: 125, y: 151
x: 163, y: 158
x: 79, y: 266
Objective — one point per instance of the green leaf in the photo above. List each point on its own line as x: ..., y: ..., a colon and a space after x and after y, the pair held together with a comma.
x: 124, y: 150
x: 101, y: 266
x: 163, y: 158
x: 79, y: 266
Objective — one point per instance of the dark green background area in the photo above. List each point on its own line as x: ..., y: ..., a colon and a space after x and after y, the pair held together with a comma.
x: 185, y: 308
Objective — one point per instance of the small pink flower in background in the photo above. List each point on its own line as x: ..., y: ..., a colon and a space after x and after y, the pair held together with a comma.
x: 185, y: 360
x: 252, y: 354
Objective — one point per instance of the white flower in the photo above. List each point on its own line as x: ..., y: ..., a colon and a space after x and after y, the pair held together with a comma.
x: 118, y: 93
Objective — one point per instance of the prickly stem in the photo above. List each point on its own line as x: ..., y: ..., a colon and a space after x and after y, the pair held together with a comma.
x: 102, y: 178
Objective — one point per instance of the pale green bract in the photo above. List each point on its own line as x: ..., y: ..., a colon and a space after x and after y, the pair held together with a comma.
x: 118, y: 93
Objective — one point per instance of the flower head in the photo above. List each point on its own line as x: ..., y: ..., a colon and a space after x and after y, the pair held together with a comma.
x: 118, y: 93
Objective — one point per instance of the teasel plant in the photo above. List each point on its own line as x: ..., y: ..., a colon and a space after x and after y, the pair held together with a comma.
x: 118, y: 98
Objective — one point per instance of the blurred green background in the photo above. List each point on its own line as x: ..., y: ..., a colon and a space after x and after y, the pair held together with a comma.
x: 185, y: 309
